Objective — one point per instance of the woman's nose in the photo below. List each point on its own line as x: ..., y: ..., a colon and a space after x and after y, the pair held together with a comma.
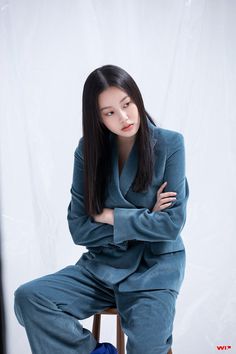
x: 123, y: 116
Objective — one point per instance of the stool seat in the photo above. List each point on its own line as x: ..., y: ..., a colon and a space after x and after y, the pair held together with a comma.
x: 120, y: 337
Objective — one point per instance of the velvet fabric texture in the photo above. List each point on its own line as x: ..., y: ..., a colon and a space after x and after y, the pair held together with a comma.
x: 144, y: 249
x: 51, y: 306
x: 136, y: 265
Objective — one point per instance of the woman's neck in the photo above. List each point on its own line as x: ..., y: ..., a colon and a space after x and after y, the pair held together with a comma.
x: 124, y: 146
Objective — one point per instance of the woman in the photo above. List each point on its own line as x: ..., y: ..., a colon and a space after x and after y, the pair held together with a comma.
x: 135, y: 257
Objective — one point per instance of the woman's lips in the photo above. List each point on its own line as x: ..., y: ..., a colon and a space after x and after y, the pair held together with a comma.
x: 128, y: 128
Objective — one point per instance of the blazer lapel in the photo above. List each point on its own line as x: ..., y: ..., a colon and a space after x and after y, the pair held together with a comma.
x: 121, y: 184
x: 129, y: 169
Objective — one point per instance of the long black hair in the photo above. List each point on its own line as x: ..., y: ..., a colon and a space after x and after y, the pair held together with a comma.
x: 96, y: 146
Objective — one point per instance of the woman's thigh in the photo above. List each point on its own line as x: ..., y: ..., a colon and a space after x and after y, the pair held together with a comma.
x: 72, y: 289
x: 147, y: 319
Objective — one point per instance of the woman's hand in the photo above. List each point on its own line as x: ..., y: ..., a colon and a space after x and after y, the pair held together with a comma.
x: 106, y: 216
x: 163, y: 199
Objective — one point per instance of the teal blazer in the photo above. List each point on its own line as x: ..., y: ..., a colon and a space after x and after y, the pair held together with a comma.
x: 143, y: 249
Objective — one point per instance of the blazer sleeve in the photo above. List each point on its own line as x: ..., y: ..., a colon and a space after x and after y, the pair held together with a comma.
x: 165, y: 225
x: 84, y: 230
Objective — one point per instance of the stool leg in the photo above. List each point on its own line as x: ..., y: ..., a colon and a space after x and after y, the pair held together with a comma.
x: 120, y: 337
x: 96, y: 326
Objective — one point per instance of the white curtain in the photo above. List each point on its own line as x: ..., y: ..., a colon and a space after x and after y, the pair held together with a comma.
x: 182, y: 55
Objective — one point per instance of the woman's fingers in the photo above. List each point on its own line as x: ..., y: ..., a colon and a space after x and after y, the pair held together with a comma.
x: 164, y: 198
x: 169, y: 199
x: 161, y: 207
x: 158, y: 207
x: 160, y: 204
x: 165, y: 194
x: 161, y: 187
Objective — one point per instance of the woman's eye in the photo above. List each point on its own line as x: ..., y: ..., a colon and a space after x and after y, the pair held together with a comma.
x: 110, y: 113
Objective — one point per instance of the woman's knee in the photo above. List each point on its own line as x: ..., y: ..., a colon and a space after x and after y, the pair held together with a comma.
x: 24, y: 298
x: 24, y: 292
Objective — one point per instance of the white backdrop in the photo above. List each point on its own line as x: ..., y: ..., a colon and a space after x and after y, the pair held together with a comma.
x: 182, y: 55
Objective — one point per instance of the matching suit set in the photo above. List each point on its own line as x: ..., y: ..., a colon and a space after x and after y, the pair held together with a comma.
x: 136, y: 265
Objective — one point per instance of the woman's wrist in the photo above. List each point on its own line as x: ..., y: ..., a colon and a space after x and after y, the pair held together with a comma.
x: 106, y: 216
x: 109, y: 216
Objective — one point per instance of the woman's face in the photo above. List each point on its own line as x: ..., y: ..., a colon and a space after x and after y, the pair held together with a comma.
x: 118, y: 111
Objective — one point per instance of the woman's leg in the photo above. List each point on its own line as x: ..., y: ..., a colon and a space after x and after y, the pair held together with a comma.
x: 49, y: 308
x: 147, y: 320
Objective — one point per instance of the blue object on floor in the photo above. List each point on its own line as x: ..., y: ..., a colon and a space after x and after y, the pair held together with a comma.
x: 104, y: 348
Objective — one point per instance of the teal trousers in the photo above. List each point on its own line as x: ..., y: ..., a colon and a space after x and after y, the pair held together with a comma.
x: 51, y: 306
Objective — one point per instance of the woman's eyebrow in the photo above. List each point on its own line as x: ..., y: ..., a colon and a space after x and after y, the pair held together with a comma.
x: 111, y: 106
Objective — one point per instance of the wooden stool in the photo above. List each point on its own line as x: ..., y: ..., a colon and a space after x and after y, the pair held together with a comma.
x: 120, y: 337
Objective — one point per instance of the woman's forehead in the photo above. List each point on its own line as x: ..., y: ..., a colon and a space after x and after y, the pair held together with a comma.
x: 111, y: 95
